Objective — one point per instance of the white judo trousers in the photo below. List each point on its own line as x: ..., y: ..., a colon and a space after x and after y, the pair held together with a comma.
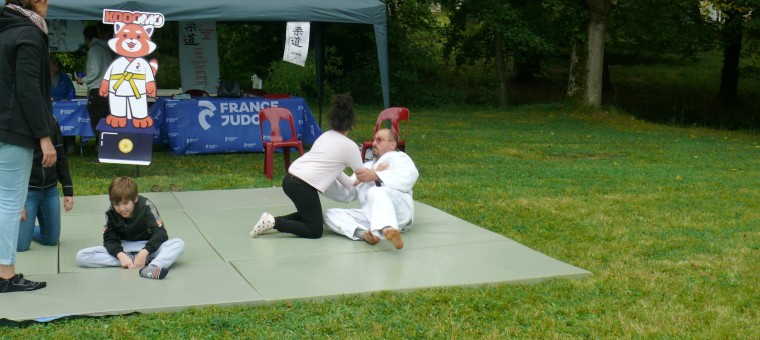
x: 388, y: 205
x: 164, y: 256
x: 384, y: 207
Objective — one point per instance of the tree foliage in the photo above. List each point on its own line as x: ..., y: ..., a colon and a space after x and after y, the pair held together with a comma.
x: 751, y: 66
x: 529, y: 29
x: 735, y: 18
x: 653, y: 29
x: 413, y: 39
x: 249, y: 48
x: 286, y: 77
x: 520, y: 33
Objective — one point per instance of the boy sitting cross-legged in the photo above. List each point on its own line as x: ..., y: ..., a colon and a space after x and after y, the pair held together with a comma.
x: 134, y: 236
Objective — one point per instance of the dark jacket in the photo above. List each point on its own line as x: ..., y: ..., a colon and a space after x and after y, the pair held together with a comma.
x: 45, y: 178
x: 24, y: 81
x: 142, y: 226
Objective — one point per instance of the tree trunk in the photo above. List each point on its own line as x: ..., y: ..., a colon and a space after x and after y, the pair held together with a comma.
x: 500, y: 69
x: 599, y: 11
x: 732, y: 47
x: 576, y: 89
x: 587, y: 67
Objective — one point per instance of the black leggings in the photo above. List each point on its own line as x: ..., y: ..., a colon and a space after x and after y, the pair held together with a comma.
x: 307, y: 221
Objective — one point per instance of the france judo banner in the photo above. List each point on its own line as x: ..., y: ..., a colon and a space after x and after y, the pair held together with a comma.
x: 126, y: 134
x: 198, y: 55
x: 297, y: 42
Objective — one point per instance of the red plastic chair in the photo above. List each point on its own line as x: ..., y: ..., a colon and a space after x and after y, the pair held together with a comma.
x: 395, y: 115
x: 197, y: 93
x: 274, y: 115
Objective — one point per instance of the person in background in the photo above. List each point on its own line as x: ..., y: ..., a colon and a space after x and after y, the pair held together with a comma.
x: 62, y: 88
x: 24, y: 123
x: 313, y: 172
x: 43, y: 203
x: 99, y: 57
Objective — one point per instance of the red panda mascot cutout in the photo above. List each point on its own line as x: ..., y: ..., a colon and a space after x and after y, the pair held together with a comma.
x: 126, y: 134
x: 130, y: 78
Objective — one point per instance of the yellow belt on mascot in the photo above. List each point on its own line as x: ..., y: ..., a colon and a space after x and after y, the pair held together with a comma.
x: 129, y: 77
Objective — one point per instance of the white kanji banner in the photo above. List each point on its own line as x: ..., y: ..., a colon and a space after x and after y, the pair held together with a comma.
x: 296, y: 42
x: 198, y: 55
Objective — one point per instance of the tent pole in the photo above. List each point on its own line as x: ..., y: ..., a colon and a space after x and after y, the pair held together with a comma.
x: 381, y: 40
x: 320, y: 66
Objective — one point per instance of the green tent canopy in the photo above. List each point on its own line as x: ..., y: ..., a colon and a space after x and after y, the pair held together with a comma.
x: 372, y: 12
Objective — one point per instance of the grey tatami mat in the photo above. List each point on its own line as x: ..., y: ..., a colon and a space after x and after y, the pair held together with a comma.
x: 440, y: 250
x: 110, y: 291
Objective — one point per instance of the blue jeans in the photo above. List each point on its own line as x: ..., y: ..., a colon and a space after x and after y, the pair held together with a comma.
x: 43, y: 206
x: 15, y: 167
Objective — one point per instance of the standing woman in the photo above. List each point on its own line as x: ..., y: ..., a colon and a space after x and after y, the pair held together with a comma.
x: 314, y: 172
x: 24, y: 124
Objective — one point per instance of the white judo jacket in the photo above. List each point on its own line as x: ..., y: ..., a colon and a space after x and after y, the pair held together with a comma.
x: 401, y: 175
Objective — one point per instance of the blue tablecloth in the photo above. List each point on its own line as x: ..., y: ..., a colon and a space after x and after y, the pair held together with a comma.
x: 220, y: 125
x: 73, y: 117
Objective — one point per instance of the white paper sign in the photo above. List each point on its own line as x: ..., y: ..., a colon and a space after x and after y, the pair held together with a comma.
x: 198, y: 55
x: 297, y: 42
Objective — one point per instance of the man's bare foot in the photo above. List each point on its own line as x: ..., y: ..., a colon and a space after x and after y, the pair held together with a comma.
x: 370, y: 238
x: 392, y: 234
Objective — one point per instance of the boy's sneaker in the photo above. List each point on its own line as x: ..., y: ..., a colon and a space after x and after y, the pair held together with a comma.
x: 265, y: 223
x: 154, y: 272
x: 19, y: 284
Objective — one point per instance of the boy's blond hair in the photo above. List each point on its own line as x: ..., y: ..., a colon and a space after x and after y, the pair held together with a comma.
x: 122, y: 188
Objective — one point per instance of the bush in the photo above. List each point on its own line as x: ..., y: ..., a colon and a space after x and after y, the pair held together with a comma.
x: 285, y: 77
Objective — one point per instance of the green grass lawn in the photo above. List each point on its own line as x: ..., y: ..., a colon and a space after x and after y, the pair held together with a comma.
x: 666, y: 218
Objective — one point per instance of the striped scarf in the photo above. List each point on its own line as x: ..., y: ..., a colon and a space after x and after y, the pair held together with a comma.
x: 34, y: 17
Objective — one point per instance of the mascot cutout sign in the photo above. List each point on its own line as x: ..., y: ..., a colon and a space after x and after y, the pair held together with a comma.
x: 127, y: 132
x: 130, y: 77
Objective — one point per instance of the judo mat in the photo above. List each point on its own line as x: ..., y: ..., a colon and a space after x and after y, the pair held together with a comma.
x: 222, y: 265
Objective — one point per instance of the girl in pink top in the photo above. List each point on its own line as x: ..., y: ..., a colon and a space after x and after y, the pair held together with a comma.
x: 314, y: 172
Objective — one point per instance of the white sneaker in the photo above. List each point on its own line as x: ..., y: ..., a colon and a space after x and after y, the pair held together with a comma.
x: 265, y: 223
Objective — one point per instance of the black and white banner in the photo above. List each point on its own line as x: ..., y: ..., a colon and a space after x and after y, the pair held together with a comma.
x: 297, y: 42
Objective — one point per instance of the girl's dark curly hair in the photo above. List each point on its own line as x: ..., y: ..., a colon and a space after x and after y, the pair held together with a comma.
x: 341, y: 114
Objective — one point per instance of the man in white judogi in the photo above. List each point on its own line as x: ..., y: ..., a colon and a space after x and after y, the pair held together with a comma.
x: 384, y: 189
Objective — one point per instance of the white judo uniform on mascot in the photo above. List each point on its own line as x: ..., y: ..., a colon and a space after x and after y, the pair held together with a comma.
x: 129, y: 80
